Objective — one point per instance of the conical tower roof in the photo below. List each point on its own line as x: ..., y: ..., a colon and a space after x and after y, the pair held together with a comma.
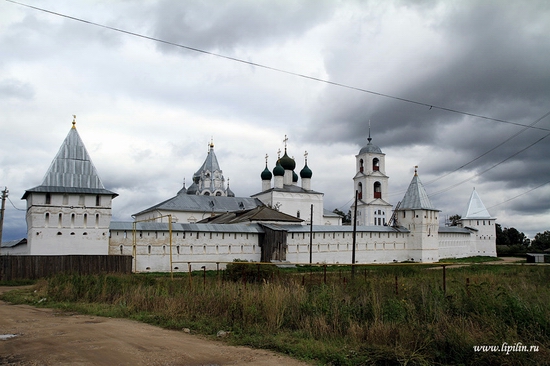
x: 416, y: 197
x: 72, y: 170
x: 476, y: 209
x: 210, y: 163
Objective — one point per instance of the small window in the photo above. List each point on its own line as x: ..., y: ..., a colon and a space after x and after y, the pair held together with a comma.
x: 98, y: 200
x: 48, y: 198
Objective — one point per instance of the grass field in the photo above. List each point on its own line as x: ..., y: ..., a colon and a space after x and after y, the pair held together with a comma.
x: 385, y: 315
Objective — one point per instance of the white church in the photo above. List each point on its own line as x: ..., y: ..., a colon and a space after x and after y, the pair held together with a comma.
x: 207, y: 225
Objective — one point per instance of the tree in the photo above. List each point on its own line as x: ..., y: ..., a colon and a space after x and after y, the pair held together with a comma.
x: 346, y: 218
x: 541, y: 241
x: 454, y: 220
x: 501, y: 237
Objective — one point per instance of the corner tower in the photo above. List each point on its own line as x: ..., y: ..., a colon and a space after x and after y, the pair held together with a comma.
x: 417, y: 214
x: 478, y: 219
x: 371, y: 183
x: 70, y: 212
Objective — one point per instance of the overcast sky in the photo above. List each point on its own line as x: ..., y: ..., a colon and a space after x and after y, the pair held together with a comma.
x: 146, y: 111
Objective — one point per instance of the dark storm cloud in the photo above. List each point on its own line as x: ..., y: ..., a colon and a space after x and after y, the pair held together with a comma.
x: 493, y: 60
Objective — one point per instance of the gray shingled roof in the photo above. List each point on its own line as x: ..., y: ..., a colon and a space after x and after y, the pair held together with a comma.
x: 416, y: 197
x: 72, y: 170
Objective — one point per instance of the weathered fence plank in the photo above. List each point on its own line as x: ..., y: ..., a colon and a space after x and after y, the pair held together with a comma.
x: 39, y: 266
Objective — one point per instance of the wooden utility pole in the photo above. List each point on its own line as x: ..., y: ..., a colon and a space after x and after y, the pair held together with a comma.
x: 311, y: 237
x: 2, y: 210
x: 354, y: 235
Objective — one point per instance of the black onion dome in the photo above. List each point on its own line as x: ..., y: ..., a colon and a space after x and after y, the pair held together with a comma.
x: 287, y: 162
x: 306, y: 172
x: 294, y: 177
x: 278, y: 170
x: 266, y: 174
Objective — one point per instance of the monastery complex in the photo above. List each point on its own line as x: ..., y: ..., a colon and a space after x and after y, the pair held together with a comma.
x: 70, y: 213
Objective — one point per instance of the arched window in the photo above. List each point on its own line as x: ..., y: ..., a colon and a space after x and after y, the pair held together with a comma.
x: 361, y: 167
x: 375, y: 164
x: 360, y: 191
x: 377, y: 190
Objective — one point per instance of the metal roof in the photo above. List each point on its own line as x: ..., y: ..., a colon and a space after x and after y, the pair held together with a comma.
x: 416, y: 197
x: 260, y: 213
x: 476, y: 209
x: 291, y: 188
x: 199, y: 203
x: 163, y: 226
x: 337, y: 228
x: 454, y: 230
x: 72, y: 170
x: 249, y: 228
x: 13, y: 243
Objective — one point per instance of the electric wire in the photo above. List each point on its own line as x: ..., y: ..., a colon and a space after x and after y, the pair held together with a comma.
x: 18, y: 209
x: 486, y: 170
x: 304, y: 76
x: 431, y: 106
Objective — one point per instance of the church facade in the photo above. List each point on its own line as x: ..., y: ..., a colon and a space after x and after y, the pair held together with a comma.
x: 70, y: 213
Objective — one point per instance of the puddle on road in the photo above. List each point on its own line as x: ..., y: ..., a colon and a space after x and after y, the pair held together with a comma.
x: 7, y: 336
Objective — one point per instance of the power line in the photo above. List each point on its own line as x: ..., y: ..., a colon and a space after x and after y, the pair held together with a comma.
x: 235, y: 59
x: 486, y: 170
x: 519, y: 195
x: 482, y: 155
x: 18, y: 209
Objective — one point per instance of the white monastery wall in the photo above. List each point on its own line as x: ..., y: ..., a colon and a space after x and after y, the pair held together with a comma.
x: 55, y: 223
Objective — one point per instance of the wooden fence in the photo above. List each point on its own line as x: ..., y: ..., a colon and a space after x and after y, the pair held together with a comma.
x: 39, y: 266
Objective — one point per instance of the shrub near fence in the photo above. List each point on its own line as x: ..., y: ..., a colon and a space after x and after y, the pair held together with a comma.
x: 39, y: 266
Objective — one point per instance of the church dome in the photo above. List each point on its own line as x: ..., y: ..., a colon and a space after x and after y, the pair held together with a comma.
x: 287, y: 162
x: 278, y: 170
x: 306, y: 172
x: 294, y: 177
x: 370, y: 148
x: 266, y: 174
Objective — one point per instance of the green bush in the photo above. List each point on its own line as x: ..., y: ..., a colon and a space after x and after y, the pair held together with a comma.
x: 244, y: 271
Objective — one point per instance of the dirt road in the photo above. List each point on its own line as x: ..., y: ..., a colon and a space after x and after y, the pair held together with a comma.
x: 49, y: 337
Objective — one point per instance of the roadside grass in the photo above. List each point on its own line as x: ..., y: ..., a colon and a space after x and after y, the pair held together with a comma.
x: 385, y: 315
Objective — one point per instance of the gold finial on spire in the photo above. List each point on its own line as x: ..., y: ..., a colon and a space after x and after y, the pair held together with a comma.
x: 211, y: 144
x: 74, y: 120
x: 415, y: 170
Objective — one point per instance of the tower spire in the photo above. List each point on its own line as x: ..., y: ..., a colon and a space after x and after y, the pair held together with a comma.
x: 369, y: 139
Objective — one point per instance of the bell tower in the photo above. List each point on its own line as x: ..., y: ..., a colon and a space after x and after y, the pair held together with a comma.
x: 371, y: 183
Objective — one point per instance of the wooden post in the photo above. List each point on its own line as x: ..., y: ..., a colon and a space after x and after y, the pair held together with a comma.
x: 354, y: 235
x: 325, y: 274
x: 311, y: 236
x: 444, y: 281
